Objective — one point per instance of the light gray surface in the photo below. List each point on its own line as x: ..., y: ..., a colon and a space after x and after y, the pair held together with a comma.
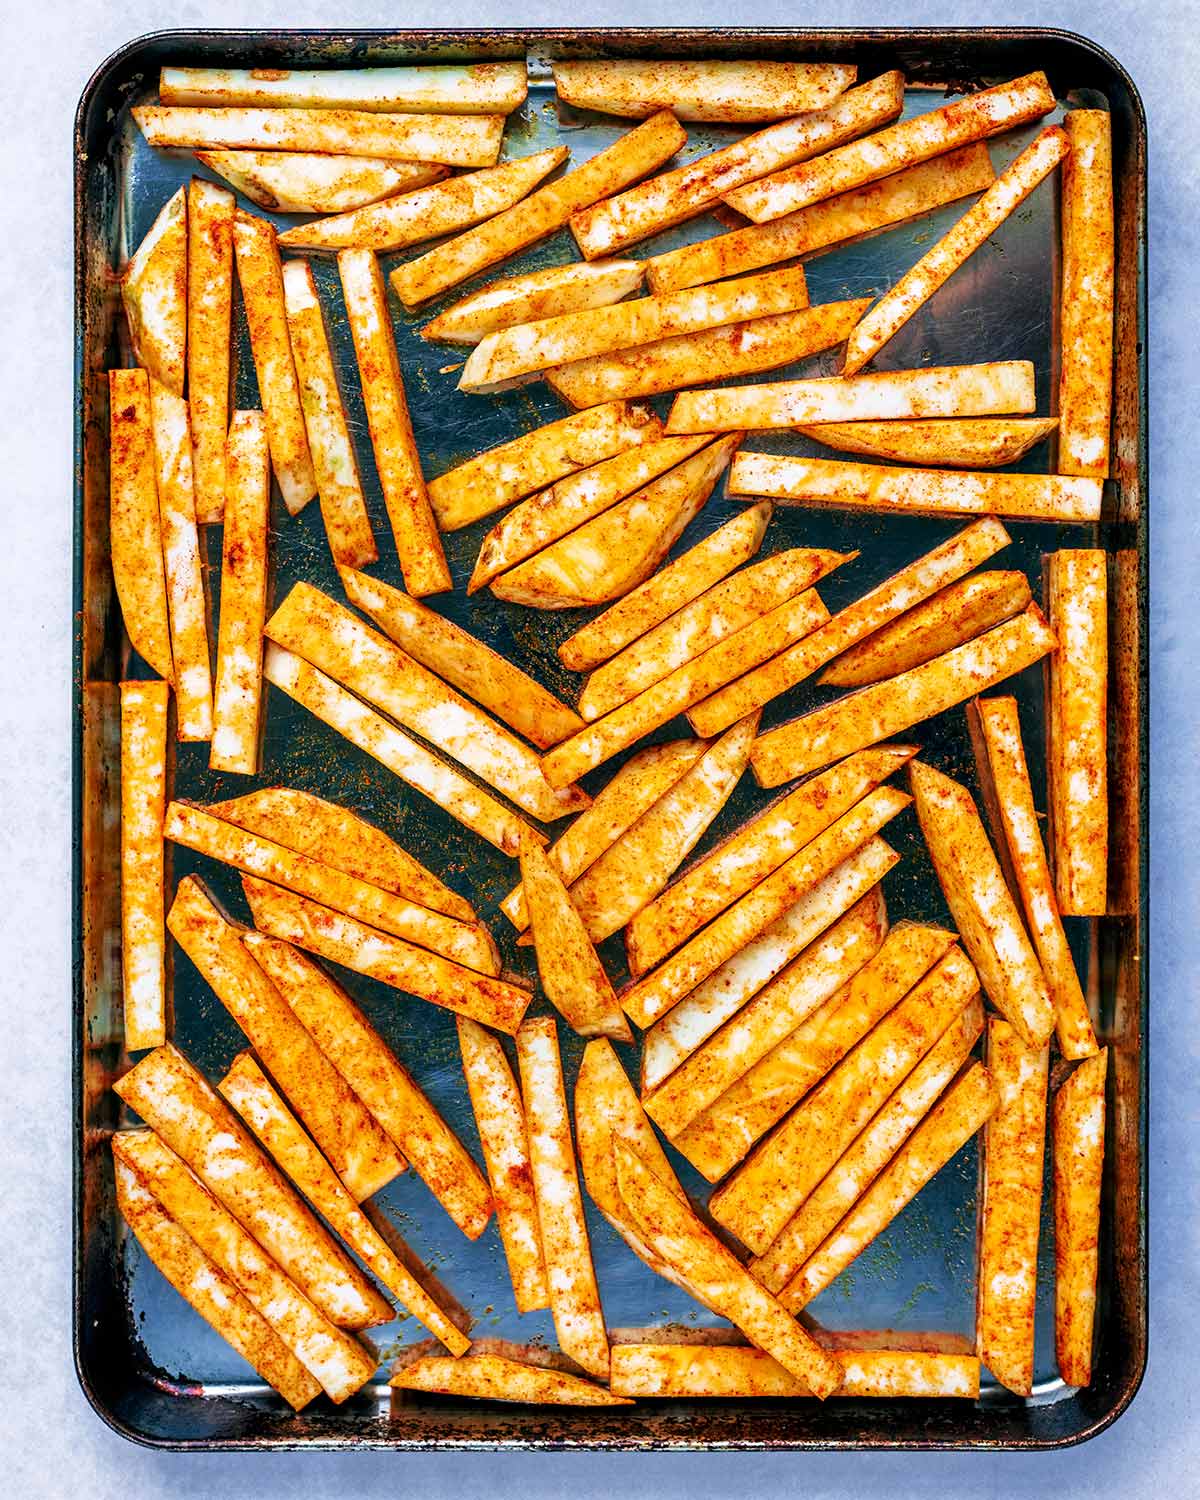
x: 50, y: 1441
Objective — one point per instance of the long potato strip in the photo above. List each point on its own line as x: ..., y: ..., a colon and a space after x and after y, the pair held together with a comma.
x: 144, y: 710
x: 960, y: 443
x: 1078, y: 1133
x: 210, y: 214
x: 493, y: 1377
x: 311, y: 182
x: 532, y: 296
x: 154, y: 294
x: 734, y: 92
x: 440, y: 88
x: 135, y: 522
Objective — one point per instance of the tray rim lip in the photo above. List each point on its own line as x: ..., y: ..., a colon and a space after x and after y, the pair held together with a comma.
x: 535, y: 36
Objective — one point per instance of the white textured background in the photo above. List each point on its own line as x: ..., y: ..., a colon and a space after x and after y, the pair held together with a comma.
x: 51, y: 1444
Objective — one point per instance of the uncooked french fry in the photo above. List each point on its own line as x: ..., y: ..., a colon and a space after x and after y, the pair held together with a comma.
x: 427, y: 213
x: 975, y: 118
x: 574, y: 1295
x: 492, y: 1377
x: 981, y: 390
x: 391, y: 960
x: 1086, y: 306
x: 144, y: 709
x: 343, y: 507
x: 982, y: 905
x: 463, y: 661
x: 955, y: 614
x: 500, y: 1119
x: 875, y: 713
x: 535, y: 295
x: 312, y: 182
x: 688, y: 190
x: 397, y: 461
x: 966, y: 443
x: 248, y: 1090
x: 850, y: 216
x: 154, y: 293
x: 441, y: 88
x: 368, y: 664
x: 135, y: 522
x: 364, y: 1060
x: 1008, y: 801
x: 527, y: 463
x: 237, y: 693
x: 572, y: 975
x: 735, y: 92
x: 939, y: 263
x: 632, y: 156
x: 1078, y: 1130
x: 180, y: 1105
x: 619, y: 549
x: 210, y: 213
x: 1076, y: 589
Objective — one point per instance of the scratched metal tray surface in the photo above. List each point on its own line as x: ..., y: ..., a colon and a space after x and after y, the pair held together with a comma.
x: 150, y: 1367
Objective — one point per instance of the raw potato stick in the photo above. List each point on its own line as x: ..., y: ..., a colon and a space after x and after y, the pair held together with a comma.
x: 135, y: 522
x: 1086, y: 310
x: 1076, y: 591
x: 574, y: 1295
x: 364, y: 1060
x: 443, y: 88
x: 343, y: 507
x: 492, y: 1377
x: 534, y: 295
x: 311, y: 182
x: 939, y: 263
x: 500, y: 1119
x: 210, y: 214
x: 975, y: 118
x: 154, y: 294
x: 238, y: 691
x: 886, y: 708
x: 732, y: 92
x: 966, y: 443
x: 397, y: 461
x: 1010, y: 1207
x: 144, y: 710
x: 260, y: 276
x: 632, y: 156
x: 1078, y: 1130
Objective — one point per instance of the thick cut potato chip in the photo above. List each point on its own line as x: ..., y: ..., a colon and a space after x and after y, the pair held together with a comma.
x: 734, y: 92
x: 492, y: 1377
x: 135, y: 522
x: 154, y: 293
x: 210, y: 215
x: 311, y: 182
x: 966, y: 443
x: 442, y: 88
x: 1078, y: 1131
x: 532, y: 296
x: 144, y: 710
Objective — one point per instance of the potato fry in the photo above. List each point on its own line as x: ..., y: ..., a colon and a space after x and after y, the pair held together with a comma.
x: 1086, y: 306
x: 616, y: 552
x: 735, y: 92
x: 397, y: 460
x: 210, y: 214
x: 515, y: 469
x: 745, y: 348
x: 1078, y: 1132
x: 492, y: 1377
x: 1008, y: 802
x: 135, y: 523
x: 364, y: 1060
x: 1010, y: 1207
x: 678, y: 1033
x: 975, y: 118
x: 368, y: 664
x: 238, y: 690
x: 154, y: 294
x: 875, y: 713
x: 969, y: 443
x: 760, y: 1197
x: 144, y: 710
x: 405, y: 757
x: 572, y: 975
x: 463, y: 661
x: 391, y: 960
x: 950, y: 391
x: 1076, y: 592
x: 911, y: 585
x: 246, y: 1087
x: 574, y: 1295
x: 451, y: 89
x: 500, y: 1118
x: 535, y: 295
x: 850, y: 216
x: 312, y: 182
x: 940, y: 261
x: 343, y: 506
x: 207, y: 1289
x: 982, y: 905
x: 427, y: 213
x: 178, y: 1103
x: 963, y: 1109
x: 952, y: 616
x: 634, y: 155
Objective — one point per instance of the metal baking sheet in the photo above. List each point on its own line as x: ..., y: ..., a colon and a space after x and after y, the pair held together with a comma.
x: 150, y: 1367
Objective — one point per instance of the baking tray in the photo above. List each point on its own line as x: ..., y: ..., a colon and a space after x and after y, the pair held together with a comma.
x: 148, y: 1365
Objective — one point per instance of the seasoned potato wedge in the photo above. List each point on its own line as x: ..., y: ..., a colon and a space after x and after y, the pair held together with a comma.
x: 533, y: 296
x: 210, y: 215
x: 1078, y: 1134
x: 312, y: 182
x: 735, y: 92
x: 135, y: 522
x: 154, y: 294
x: 492, y: 1377
x: 451, y: 89
x: 144, y: 711
x: 949, y: 442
